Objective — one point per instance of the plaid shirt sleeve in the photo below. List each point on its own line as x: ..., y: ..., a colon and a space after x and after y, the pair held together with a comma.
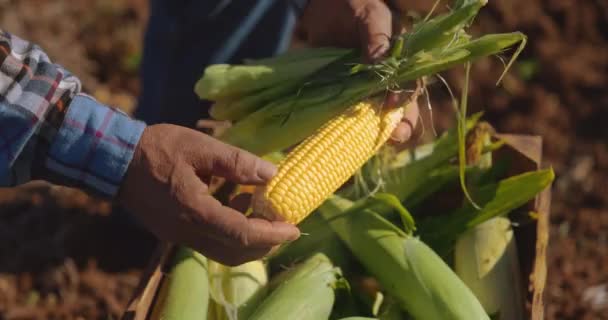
x: 50, y: 130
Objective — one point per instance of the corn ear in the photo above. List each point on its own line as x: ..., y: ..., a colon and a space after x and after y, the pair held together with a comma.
x: 184, y: 292
x: 300, y: 114
x: 322, y: 163
x: 496, y: 199
x: 236, y: 291
x: 485, y: 258
x: 420, y: 281
x: 304, y: 293
x: 411, y: 165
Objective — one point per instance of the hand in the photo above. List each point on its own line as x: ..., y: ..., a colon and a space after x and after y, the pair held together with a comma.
x: 405, y: 129
x: 367, y: 24
x: 166, y: 187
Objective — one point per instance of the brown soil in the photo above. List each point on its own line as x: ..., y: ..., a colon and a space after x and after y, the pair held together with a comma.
x: 64, y: 255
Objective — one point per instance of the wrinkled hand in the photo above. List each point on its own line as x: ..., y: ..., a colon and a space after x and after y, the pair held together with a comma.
x: 365, y: 24
x: 166, y: 187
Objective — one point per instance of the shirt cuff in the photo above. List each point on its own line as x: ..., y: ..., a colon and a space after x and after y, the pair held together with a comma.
x: 93, y: 147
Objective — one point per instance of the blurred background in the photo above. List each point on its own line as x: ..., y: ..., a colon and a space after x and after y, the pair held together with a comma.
x: 63, y: 255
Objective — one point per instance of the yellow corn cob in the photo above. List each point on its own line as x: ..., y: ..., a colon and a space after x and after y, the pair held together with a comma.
x: 323, y: 162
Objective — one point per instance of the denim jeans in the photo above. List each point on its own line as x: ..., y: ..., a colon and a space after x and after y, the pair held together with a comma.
x: 185, y: 36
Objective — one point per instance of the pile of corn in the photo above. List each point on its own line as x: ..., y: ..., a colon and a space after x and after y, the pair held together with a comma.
x: 365, y: 253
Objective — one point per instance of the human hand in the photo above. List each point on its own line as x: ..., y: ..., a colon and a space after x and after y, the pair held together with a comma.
x: 366, y: 24
x: 166, y: 187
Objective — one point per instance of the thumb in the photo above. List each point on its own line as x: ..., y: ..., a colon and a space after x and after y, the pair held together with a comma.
x: 234, y: 164
x: 374, y: 23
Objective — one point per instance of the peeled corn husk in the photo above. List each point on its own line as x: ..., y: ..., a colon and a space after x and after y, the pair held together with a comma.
x: 485, y: 258
x: 236, y: 291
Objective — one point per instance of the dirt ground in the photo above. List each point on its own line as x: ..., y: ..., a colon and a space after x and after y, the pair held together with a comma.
x: 63, y: 255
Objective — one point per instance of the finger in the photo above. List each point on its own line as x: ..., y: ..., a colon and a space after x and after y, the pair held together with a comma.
x: 374, y: 23
x: 240, y: 231
x: 226, y: 255
x: 394, y: 99
x: 263, y: 232
x: 405, y: 129
x: 235, y: 164
x: 211, y: 225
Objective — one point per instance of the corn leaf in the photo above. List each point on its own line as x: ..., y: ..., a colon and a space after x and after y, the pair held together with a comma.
x: 495, y: 200
x: 222, y: 81
x: 442, y: 30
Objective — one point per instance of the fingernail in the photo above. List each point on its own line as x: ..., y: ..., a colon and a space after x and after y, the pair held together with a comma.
x: 267, y: 170
x: 379, y: 51
x: 296, y: 235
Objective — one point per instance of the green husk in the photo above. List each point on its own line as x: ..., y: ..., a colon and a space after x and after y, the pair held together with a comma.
x: 303, y: 112
x: 411, y: 165
x: 236, y: 291
x: 305, y: 293
x: 485, y: 258
x: 495, y: 199
x: 317, y: 237
x: 420, y: 281
x: 297, y: 55
x: 421, y: 164
x: 237, y: 108
x: 431, y: 62
x: 222, y: 81
x: 380, y: 306
x: 442, y: 30
x: 292, y: 119
x: 184, y: 292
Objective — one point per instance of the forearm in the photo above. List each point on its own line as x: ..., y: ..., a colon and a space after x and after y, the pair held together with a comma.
x: 50, y: 130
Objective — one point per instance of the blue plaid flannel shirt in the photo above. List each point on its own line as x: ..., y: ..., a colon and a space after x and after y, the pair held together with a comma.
x: 50, y: 130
